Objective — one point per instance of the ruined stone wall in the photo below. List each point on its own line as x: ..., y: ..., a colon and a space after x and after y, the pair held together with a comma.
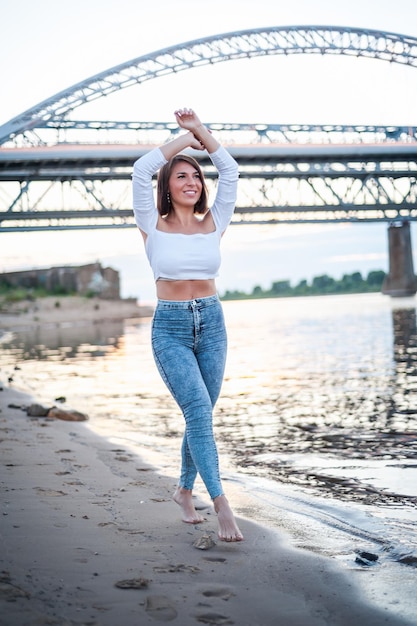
x: 86, y: 280
x: 101, y: 281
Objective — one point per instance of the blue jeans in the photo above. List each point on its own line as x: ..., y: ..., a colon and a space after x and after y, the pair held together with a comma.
x: 189, y: 346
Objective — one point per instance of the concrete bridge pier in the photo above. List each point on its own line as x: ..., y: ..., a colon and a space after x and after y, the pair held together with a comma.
x: 401, y: 281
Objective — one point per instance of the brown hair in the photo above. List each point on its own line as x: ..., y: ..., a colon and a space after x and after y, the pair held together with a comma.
x: 163, y: 203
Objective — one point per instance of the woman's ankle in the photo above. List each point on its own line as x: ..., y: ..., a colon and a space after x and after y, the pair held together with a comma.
x: 220, y: 502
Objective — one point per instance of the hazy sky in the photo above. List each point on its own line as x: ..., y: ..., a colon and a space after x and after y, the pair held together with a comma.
x: 47, y: 46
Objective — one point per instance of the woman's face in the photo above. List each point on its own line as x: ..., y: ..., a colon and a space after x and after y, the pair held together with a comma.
x: 185, y: 185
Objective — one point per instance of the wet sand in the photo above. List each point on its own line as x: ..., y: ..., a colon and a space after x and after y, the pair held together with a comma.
x: 90, y: 535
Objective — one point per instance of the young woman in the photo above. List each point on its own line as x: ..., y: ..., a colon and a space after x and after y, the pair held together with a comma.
x: 182, y: 241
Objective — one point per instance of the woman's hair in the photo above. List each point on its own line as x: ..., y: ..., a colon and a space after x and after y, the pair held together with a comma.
x: 163, y: 201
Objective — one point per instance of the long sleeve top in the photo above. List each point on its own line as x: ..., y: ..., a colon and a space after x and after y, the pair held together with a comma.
x: 176, y: 256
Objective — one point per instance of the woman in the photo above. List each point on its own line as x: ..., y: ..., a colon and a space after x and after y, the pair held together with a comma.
x: 182, y: 240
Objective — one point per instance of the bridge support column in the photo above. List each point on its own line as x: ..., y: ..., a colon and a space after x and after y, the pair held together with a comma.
x: 401, y: 280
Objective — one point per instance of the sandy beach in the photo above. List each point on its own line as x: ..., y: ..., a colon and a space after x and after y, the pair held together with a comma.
x: 55, y: 310
x: 90, y: 536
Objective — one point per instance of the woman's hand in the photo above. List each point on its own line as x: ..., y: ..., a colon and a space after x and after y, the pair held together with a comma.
x: 195, y: 143
x: 198, y: 137
x: 188, y: 119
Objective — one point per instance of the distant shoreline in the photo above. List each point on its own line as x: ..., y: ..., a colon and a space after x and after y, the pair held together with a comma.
x: 267, y: 295
x: 323, y: 285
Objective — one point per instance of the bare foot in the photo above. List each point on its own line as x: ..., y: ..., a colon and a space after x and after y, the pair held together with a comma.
x: 184, y: 498
x: 228, y: 529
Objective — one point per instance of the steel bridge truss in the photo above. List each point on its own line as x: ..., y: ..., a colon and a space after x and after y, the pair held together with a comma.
x: 278, y: 40
x: 59, y: 131
x: 271, y: 190
x: 93, y: 194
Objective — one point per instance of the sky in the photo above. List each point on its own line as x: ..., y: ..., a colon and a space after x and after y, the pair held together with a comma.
x: 47, y: 46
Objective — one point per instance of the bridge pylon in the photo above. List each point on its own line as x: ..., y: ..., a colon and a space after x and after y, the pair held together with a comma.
x: 401, y: 280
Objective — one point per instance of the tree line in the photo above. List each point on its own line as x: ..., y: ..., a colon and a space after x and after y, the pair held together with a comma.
x: 319, y: 285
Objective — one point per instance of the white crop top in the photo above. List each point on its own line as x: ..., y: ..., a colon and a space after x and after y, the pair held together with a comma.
x: 175, y: 256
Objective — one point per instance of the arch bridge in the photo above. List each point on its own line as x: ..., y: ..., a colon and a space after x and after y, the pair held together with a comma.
x: 289, y: 173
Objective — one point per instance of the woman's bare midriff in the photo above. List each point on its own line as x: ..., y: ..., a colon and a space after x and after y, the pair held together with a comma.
x: 185, y: 289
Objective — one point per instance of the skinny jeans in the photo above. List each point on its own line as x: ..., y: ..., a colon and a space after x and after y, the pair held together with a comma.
x: 189, y: 345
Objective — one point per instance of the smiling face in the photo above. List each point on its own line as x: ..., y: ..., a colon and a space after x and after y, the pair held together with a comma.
x: 170, y: 178
x: 185, y: 185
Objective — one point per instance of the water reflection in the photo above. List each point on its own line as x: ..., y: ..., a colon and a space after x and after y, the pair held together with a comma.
x: 67, y: 341
x: 360, y: 408
x: 316, y: 388
x: 404, y: 392
x: 405, y: 341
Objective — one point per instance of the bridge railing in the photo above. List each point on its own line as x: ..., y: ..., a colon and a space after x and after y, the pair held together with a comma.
x: 66, y: 131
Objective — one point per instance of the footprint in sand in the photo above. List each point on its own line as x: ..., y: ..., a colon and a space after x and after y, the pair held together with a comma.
x: 160, y: 608
x: 215, y: 591
x: 218, y: 592
x: 214, y: 618
x: 41, y: 491
x: 9, y: 591
x: 181, y: 567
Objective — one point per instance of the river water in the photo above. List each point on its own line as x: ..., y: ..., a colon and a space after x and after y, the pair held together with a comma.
x: 316, y: 424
